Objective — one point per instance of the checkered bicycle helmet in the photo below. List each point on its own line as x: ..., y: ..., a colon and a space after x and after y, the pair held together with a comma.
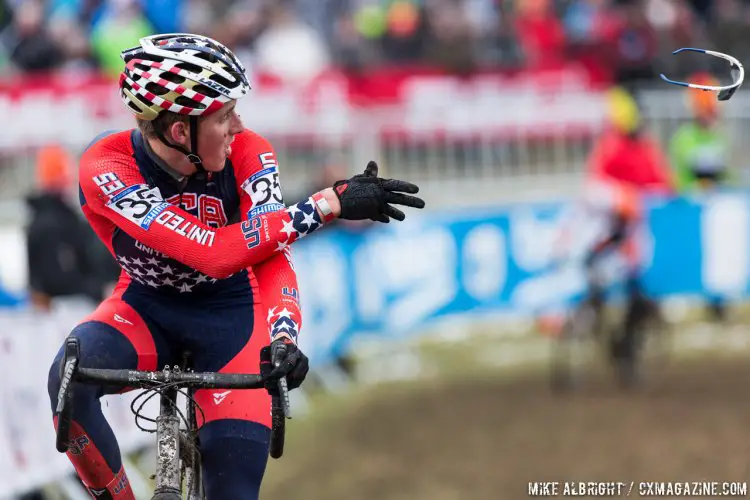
x: 181, y: 73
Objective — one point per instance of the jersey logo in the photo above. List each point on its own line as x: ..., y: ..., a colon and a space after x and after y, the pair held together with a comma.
x: 120, y: 319
x: 270, y: 207
x: 77, y: 445
x: 290, y: 294
x: 263, y: 187
x: 210, y: 209
x: 282, y: 323
x: 140, y: 204
x: 108, y: 183
x: 219, y: 397
x: 186, y: 228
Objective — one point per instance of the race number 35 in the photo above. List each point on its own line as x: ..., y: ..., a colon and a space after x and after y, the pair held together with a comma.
x: 139, y: 204
x: 266, y: 188
x: 263, y: 186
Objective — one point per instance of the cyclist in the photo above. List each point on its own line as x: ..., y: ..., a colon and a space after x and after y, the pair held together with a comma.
x: 603, y: 219
x: 630, y: 162
x: 189, y: 203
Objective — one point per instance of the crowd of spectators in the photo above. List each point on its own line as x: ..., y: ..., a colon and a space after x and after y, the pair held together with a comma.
x: 295, y: 39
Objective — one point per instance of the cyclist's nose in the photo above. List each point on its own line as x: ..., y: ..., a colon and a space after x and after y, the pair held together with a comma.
x: 236, y: 126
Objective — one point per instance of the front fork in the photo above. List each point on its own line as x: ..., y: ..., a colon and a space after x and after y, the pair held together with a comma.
x: 168, y: 448
x: 191, y: 462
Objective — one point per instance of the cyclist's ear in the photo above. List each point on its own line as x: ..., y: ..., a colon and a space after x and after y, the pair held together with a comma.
x: 179, y: 132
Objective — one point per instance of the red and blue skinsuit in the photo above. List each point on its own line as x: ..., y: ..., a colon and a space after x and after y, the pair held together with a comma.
x: 206, y: 268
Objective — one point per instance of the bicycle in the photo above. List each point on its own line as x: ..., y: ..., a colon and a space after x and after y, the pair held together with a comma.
x: 178, y: 461
x: 586, y: 334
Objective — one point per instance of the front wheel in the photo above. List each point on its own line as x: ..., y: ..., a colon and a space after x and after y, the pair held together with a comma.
x: 640, y: 353
x: 191, y: 466
x: 574, y: 347
x: 190, y: 456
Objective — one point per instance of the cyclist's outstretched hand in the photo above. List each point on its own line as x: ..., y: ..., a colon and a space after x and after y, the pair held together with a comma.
x: 367, y: 196
x: 293, y: 364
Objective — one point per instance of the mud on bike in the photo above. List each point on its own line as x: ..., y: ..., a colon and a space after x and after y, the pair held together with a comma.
x: 178, y: 458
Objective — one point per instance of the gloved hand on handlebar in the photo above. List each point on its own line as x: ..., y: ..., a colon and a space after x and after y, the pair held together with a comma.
x: 367, y: 196
x: 293, y: 364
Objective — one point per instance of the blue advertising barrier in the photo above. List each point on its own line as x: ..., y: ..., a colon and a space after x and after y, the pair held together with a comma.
x: 7, y: 299
x: 393, y: 280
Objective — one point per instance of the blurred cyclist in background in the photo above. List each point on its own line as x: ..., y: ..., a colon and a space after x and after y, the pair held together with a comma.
x: 700, y: 155
x: 625, y: 165
x: 626, y: 152
x: 190, y: 204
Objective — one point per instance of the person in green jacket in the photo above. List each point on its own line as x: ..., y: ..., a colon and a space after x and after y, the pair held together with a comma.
x: 122, y: 25
x: 699, y: 149
x: 700, y: 159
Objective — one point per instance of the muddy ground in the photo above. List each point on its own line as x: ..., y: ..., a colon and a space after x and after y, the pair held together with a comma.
x: 486, y: 439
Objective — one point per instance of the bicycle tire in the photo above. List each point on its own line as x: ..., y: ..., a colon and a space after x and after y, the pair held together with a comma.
x: 652, y: 349
x: 192, y: 479
x: 572, y: 348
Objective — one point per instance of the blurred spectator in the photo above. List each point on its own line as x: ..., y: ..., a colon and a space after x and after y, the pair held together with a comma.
x: 447, y: 39
x: 166, y: 16
x: 700, y: 154
x: 238, y: 27
x: 289, y: 48
x: 728, y: 27
x: 66, y: 29
x: 699, y: 149
x: 702, y: 8
x: 677, y: 24
x: 632, y: 43
x: 583, y: 21
x: 34, y: 49
x: 352, y: 48
x: 62, y: 257
x: 121, y: 26
x: 296, y: 39
x: 405, y: 37
x: 540, y: 33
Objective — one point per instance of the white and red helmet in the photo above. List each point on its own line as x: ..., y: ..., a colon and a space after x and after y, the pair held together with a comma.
x: 179, y: 72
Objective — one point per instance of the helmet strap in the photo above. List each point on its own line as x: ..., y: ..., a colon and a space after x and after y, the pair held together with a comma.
x: 191, y: 154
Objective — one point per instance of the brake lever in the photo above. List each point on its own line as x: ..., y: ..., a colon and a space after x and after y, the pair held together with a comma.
x: 278, y: 353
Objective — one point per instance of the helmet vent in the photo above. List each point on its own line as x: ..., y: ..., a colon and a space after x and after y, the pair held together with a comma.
x: 202, y: 89
x: 173, y: 77
x: 156, y: 89
x: 189, y: 67
x: 188, y: 103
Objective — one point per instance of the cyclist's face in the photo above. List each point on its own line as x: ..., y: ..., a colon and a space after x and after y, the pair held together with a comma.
x: 215, y: 136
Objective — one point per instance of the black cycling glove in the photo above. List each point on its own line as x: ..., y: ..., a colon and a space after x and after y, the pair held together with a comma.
x: 367, y: 196
x: 294, y: 365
